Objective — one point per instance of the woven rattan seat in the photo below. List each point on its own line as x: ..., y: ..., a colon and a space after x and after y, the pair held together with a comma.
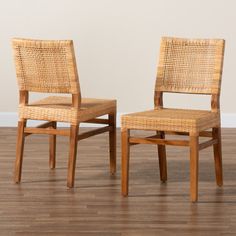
x: 61, y: 109
x: 171, y: 120
x: 185, y: 66
x: 49, y: 66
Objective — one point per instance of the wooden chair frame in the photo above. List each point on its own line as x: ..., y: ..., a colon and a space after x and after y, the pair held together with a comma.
x: 55, y: 71
x: 193, y: 143
x: 50, y: 128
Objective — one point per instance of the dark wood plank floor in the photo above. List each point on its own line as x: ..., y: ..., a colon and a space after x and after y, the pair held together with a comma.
x: 42, y: 205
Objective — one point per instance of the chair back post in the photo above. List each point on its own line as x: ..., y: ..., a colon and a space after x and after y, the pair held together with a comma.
x: 23, y: 97
x: 158, y: 99
x: 76, y: 100
x: 215, y: 103
x: 215, y: 97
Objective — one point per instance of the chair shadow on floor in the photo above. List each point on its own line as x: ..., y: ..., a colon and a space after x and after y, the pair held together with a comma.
x: 146, y: 176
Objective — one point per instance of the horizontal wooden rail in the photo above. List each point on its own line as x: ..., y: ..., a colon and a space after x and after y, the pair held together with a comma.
x: 153, y: 136
x: 158, y: 141
x: 44, y: 125
x: 206, y: 134
x: 207, y: 144
x: 62, y: 132
x: 97, y: 121
x: 201, y: 134
x: 94, y: 132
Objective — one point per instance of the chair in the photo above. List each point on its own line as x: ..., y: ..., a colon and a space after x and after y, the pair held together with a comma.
x: 50, y: 67
x: 185, y: 66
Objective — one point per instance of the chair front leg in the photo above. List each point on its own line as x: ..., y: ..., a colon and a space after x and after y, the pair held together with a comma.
x: 112, y: 142
x: 194, y: 156
x: 72, y: 155
x: 162, y: 159
x: 217, y: 149
x: 125, y: 148
x: 52, y: 147
x: 19, y: 150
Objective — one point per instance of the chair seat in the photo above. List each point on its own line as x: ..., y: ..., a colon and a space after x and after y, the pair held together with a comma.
x: 171, y: 120
x: 60, y: 109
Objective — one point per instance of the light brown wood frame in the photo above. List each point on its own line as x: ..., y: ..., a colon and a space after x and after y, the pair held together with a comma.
x: 192, y: 143
x: 50, y: 128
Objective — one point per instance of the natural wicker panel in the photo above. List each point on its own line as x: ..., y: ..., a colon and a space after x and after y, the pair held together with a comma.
x: 190, y: 66
x: 46, y: 66
x: 171, y: 120
x: 60, y: 109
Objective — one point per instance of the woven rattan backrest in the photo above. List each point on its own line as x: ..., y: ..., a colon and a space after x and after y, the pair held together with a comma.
x: 46, y: 66
x: 190, y: 66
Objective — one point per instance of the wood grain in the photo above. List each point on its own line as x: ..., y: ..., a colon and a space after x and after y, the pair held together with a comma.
x: 52, y: 147
x: 217, y: 149
x: 162, y: 159
x: 160, y: 141
x: 42, y: 205
x: 19, y: 150
x: 30, y: 130
x: 207, y: 144
x: 112, y: 142
x: 194, y: 156
x: 72, y: 155
x: 125, y: 158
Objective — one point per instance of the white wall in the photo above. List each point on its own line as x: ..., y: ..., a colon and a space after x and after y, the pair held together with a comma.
x: 117, y: 44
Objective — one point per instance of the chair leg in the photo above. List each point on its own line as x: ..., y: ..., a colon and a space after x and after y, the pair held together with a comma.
x: 125, y: 161
x: 112, y: 142
x: 162, y: 159
x: 217, y: 149
x: 52, y: 148
x: 19, y: 150
x: 194, y: 155
x: 72, y: 155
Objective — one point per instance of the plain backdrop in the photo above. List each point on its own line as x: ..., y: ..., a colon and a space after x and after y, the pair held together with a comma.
x: 117, y: 44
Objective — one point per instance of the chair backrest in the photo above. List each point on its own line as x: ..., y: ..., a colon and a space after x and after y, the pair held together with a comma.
x: 190, y: 66
x: 46, y: 66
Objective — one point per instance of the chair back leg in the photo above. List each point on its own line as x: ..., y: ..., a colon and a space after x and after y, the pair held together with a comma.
x: 19, y: 150
x: 52, y: 148
x: 217, y: 149
x: 194, y: 156
x: 162, y: 159
x: 72, y: 155
x: 125, y: 161
x: 112, y: 142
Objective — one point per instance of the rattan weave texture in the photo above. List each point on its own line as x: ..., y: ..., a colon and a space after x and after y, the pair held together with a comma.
x: 60, y: 109
x: 46, y: 66
x: 190, y: 66
x: 172, y: 120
